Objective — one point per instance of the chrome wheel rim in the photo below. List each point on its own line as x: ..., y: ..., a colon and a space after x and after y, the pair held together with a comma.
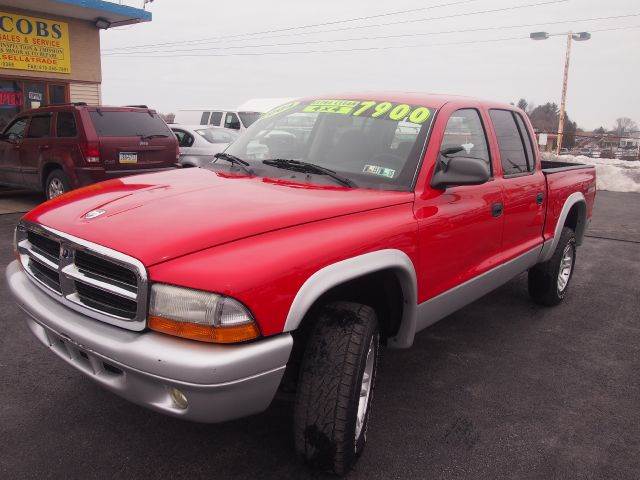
x: 365, y: 389
x: 56, y: 188
x: 566, y: 266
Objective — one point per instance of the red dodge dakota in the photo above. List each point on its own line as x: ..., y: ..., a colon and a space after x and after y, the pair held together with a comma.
x: 332, y: 227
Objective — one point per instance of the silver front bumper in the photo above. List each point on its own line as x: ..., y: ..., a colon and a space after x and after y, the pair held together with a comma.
x: 221, y: 382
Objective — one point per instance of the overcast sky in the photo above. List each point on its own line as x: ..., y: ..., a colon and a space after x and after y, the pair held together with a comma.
x: 604, y: 80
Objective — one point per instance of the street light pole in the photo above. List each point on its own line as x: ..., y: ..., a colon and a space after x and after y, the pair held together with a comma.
x: 580, y: 37
x: 563, y: 100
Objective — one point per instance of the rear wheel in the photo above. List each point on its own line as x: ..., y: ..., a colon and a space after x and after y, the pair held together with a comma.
x: 549, y: 281
x: 56, y: 184
x: 335, y: 388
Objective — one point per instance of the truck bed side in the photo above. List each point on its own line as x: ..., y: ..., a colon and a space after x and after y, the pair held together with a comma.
x: 563, y: 180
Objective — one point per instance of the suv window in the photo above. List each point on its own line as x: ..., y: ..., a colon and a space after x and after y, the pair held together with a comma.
x: 464, y: 129
x: 527, y: 142
x: 512, y: 151
x: 127, y: 123
x: 213, y: 135
x: 66, y: 125
x: 16, y: 129
x: 39, y: 127
x: 184, y: 139
x: 205, y: 118
x: 232, y: 121
x: 215, y: 118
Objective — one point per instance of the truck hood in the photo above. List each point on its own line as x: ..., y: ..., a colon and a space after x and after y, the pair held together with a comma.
x: 158, y: 217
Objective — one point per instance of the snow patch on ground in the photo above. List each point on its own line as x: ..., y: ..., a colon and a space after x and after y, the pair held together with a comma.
x: 611, y: 174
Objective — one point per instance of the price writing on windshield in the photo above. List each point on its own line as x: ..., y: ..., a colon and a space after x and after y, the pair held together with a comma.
x: 369, y: 108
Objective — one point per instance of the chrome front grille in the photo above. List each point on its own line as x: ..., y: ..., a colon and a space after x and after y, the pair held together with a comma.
x: 97, y: 281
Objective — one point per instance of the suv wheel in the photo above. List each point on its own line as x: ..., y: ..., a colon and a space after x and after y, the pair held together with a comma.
x: 549, y: 281
x: 335, y: 388
x: 57, y: 183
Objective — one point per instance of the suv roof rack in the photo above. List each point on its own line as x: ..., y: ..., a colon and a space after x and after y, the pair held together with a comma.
x: 75, y: 104
x: 137, y: 106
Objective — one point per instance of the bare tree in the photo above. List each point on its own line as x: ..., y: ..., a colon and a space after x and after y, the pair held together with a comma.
x: 523, y: 104
x: 624, y: 126
x: 168, y: 117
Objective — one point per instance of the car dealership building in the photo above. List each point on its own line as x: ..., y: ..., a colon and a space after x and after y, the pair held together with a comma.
x: 50, y: 50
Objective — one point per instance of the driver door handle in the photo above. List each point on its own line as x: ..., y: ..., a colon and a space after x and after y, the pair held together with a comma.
x: 496, y: 209
x: 44, y: 147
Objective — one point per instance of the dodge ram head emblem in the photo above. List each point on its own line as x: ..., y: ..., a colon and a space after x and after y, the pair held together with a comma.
x: 94, y: 214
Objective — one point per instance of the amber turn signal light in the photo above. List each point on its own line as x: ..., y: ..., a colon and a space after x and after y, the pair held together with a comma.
x: 205, y: 333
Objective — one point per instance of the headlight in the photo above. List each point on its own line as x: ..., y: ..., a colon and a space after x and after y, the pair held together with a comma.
x: 198, y: 315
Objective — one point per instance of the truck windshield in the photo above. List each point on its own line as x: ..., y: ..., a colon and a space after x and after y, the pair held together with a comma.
x: 373, y: 144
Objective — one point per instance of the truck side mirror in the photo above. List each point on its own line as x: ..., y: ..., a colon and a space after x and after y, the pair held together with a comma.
x: 454, y: 171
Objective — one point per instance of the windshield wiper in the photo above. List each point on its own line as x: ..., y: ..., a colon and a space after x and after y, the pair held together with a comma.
x: 154, y: 135
x: 233, y: 160
x: 305, y: 167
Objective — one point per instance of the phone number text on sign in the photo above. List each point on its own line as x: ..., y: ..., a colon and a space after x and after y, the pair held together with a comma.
x: 369, y: 108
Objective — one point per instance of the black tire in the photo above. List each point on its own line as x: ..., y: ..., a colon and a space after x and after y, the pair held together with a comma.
x: 543, y: 278
x: 329, y: 385
x: 56, y: 180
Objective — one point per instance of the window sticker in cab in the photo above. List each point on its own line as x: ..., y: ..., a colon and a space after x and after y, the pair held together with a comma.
x: 380, y: 171
x: 369, y: 108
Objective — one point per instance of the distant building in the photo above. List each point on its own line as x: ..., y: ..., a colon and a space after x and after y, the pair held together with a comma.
x: 50, y: 50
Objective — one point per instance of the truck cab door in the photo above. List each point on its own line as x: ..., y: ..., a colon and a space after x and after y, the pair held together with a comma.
x: 10, y: 146
x: 523, y: 182
x: 460, y: 227
x: 34, y: 151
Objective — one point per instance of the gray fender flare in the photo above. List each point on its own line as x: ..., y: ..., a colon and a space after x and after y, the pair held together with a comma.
x: 576, y: 198
x: 351, y: 268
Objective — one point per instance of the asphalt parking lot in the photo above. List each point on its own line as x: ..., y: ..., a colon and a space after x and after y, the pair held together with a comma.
x: 500, y: 389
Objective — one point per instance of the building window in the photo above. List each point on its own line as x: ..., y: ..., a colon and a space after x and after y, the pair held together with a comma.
x: 57, y: 94
x: 17, y: 95
x: 10, y: 101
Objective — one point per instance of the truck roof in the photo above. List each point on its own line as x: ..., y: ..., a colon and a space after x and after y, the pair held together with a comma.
x: 434, y: 100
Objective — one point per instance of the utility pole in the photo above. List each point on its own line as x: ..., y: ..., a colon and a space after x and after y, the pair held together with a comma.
x: 563, y: 101
x: 580, y: 37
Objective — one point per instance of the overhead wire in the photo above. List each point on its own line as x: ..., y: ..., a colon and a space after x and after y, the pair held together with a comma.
x: 362, y: 49
x: 300, y: 27
x: 388, y: 37
x: 397, y: 22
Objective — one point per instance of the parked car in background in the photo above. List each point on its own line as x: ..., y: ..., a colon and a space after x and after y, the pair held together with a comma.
x: 293, y: 267
x: 199, y: 143
x: 239, y: 118
x: 58, y: 148
x: 231, y: 119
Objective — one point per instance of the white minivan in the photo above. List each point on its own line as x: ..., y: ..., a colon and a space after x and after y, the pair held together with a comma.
x: 234, y: 120
x: 239, y: 118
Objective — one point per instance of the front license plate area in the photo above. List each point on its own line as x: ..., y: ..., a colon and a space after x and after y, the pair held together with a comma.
x: 128, y: 157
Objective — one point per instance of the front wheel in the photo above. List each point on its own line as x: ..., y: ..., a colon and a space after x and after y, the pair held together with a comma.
x: 56, y: 184
x: 336, y: 384
x: 549, y: 281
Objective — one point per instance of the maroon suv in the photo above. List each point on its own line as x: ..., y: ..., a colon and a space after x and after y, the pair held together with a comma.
x: 58, y: 148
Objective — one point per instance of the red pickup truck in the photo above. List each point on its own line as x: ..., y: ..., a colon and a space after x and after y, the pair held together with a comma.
x: 330, y: 228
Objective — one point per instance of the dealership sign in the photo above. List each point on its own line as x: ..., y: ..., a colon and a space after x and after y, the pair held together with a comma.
x: 36, y: 44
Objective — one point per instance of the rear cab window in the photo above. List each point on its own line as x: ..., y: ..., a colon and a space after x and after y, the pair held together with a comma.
x: 511, y: 143
x: 128, y: 123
